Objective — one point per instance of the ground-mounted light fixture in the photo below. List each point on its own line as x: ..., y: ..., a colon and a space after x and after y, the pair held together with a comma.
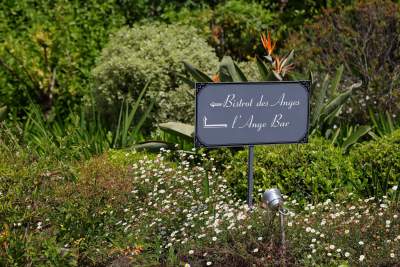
x: 273, y: 198
x: 274, y: 201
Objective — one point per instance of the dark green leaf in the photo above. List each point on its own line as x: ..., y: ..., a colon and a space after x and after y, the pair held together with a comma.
x: 335, y: 82
x: 197, y: 75
x: 320, y: 101
x: 264, y: 73
x: 355, y: 136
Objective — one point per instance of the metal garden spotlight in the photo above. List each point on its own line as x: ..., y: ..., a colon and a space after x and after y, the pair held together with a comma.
x: 274, y: 200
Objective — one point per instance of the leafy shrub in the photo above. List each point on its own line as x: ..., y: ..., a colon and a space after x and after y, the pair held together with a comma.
x: 152, y: 52
x: 232, y: 26
x: 154, y: 9
x: 312, y: 171
x: 200, y: 18
x: 237, y: 25
x: 122, y: 158
x: 364, y: 38
x: 377, y: 164
x: 179, y: 104
x: 47, y: 49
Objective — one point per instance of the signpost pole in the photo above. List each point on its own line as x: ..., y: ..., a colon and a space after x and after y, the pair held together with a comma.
x: 250, y: 180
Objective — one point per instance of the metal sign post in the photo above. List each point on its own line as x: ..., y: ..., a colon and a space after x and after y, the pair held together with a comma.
x: 250, y: 180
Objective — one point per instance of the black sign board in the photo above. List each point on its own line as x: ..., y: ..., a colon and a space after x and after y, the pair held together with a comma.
x: 251, y: 113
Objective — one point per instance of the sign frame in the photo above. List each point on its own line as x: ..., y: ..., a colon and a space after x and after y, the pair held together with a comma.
x: 199, y: 86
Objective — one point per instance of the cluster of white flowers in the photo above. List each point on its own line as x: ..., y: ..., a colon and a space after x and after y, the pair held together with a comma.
x: 319, y: 222
x: 183, y: 204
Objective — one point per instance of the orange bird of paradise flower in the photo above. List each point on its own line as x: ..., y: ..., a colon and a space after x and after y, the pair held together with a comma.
x: 215, y: 78
x: 268, y: 44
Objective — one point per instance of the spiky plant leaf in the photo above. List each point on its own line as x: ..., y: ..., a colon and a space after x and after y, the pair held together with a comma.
x: 336, y: 81
x: 339, y: 100
x: 355, y: 136
x: 240, y: 73
x: 264, y: 73
x: 288, y: 59
x: 228, y: 71
x: 320, y: 101
x: 183, y: 130
x: 197, y: 75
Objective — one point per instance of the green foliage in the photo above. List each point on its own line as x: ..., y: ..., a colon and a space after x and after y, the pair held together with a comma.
x: 229, y: 71
x: 125, y: 133
x: 82, y: 134
x: 328, y: 103
x: 327, y: 112
x: 312, y: 171
x: 348, y: 135
x: 250, y: 70
x: 199, y: 17
x: 148, y: 52
x: 179, y: 104
x: 364, y: 37
x: 47, y: 49
x: 153, y: 9
x: 295, y: 13
x: 377, y: 164
x: 384, y: 123
x: 232, y: 26
x: 237, y: 25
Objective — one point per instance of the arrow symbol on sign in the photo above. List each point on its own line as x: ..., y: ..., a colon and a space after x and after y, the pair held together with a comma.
x: 222, y: 125
x: 213, y: 104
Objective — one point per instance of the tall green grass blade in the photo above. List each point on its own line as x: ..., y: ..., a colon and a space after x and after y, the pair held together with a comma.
x: 389, y: 122
x: 320, y: 102
x: 335, y: 135
x: 137, y: 103
x: 117, y: 134
x: 143, y: 119
x: 311, y: 77
x: 125, y: 126
x: 373, y: 120
x: 336, y: 81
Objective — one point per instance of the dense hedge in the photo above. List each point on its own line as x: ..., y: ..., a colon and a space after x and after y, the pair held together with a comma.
x: 312, y: 171
x: 315, y: 170
x: 377, y: 164
x: 151, y: 52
